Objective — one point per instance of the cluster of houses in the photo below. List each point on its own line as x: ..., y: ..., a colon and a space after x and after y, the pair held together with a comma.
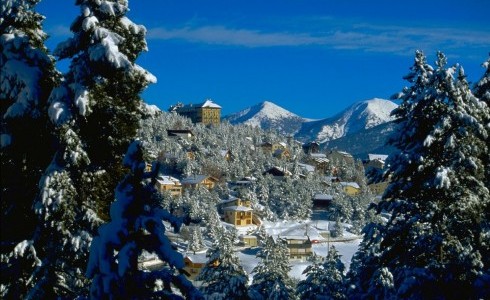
x: 238, y: 212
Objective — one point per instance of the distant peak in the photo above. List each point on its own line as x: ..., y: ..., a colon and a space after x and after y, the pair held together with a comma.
x: 268, y: 103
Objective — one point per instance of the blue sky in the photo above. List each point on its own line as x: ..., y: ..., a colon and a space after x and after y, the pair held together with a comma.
x: 313, y: 58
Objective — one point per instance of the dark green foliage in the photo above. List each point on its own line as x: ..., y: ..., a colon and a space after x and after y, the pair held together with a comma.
x: 435, y: 240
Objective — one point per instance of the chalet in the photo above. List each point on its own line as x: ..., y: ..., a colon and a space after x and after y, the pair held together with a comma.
x: 351, y: 188
x: 279, y: 146
x: 243, y: 182
x: 322, y: 201
x: 180, y: 133
x: 193, y: 264
x: 319, y: 160
x: 338, y: 156
x: 375, y: 161
x: 266, y: 147
x: 282, y: 153
x: 169, y: 184
x: 311, y: 147
x: 299, y: 246
x: 206, y: 113
x: 226, y: 155
x: 248, y: 240
x: 234, y: 201
x: 278, y: 172
x: 238, y: 215
x: 195, y: 181
x: 306, y: 168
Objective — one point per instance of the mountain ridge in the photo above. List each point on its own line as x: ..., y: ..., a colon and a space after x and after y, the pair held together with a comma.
x: 358, y: 117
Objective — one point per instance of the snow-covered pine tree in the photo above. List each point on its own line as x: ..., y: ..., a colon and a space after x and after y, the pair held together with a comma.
x: 223, y: 277
x: 482, y: 87
x: 136, y: 225
x: 271, y: 279
x: 324, y: 280
x: 433, y: 244
x: 337, y: 229
x: 27, y: 76
x: 103, y: 86
x: 196, y: 242
x: 94, y: 110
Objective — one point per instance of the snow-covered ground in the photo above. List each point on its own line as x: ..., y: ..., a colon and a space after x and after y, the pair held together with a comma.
x: 346, y: 246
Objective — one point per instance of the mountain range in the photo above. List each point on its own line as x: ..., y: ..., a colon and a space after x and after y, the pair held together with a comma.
x: 361, y: 128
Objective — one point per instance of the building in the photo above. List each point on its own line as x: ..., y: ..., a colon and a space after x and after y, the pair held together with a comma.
x: 278, y: 172
x: 340, y: 156
x: 226, y: 155
x: 206, y: 113
x: 311, y: 147
x: 351, y: 188
x: 321, y: 201
x: 238, y: 215
x: 234, y: 201
x: 249, y: 240
x: 376, y: 161
x: 282, y: 153
x: 320, y: 161
x: 237, y: 211
x: 195, y: 181
x: 180, y: 133
x: 169, y: 184
x: 266, y: 147
x: 299, y: 246
x: 193, y: 264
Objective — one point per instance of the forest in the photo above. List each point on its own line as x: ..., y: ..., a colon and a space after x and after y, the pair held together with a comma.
x: 81, y: 154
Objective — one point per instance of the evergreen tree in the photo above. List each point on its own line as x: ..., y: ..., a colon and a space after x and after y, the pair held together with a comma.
x: 338, y: 229
x: 95, y: 112
x: 27, y: 76
x: 433, y: 244
x: 271, y: 279
x: 482, y: 87
x: 101, y: 91
x: 324, y: 280
x: 136, y: 225
x: 223, y: 277
x: 196, y: 242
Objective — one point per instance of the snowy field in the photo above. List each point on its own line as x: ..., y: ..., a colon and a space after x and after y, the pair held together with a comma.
x: 346, y: 246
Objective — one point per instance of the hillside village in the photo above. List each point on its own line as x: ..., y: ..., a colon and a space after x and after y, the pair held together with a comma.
x: 249, y: 180
x: 106, y: 197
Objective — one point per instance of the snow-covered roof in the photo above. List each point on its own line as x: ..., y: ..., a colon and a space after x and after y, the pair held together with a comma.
x: 167, y: 180
x: 331, y: 178
x: 275, y: 170
x: 295, y: 237
x: 230, y: 199
x: 345, y: 153
x: 237, y: 208
x: 208, y: 103
x: 381, y: 157
x: 352, y: 184
x: 197, y: 258
x: 224, y: 152
x: 318, y: 155
x: 308, y: 168
x: 323, y: 197
x: 194, y: 179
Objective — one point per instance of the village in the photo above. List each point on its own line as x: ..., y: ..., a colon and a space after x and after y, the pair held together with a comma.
x: 304, y: 238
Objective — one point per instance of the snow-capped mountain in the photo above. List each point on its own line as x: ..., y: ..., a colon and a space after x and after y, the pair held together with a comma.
x: 268, y: 115
x: 360, y: 116
x: 361, y: 143
x: 356, y: 118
